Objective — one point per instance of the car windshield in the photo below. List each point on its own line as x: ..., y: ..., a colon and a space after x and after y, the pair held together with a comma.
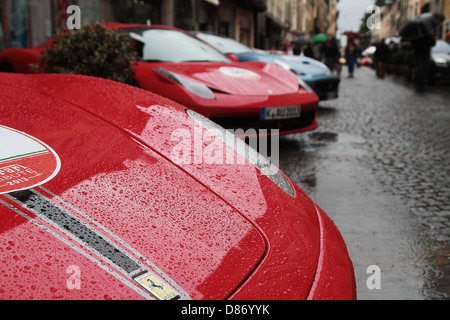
x: 441, y: 47
x: 223, y: 44
x: 162, y: 45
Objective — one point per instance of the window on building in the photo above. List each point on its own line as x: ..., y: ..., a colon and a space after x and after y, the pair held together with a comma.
x: 244, y: 36
x: 134, y: 11
x: 184, y: 18
x: 224, y: 28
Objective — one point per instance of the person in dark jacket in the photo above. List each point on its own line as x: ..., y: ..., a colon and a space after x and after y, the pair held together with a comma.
x: 308, y: 51
x: 331, y: 53
x: 422, y: 53
x: 351, y: 52
x: 381, y: 58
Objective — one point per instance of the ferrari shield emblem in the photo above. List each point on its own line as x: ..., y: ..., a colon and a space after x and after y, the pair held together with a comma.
x: 156, y: 287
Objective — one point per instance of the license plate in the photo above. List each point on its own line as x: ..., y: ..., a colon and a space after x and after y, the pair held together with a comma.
x: 275, y: 113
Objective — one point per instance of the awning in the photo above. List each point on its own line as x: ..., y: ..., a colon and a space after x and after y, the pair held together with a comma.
x: 214, y: 2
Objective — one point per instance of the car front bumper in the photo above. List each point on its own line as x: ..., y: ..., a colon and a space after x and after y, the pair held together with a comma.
x: 327, y: 88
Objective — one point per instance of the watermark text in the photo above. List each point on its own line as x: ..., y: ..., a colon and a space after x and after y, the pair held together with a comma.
x: 374, y: 21
x: 74, y: 17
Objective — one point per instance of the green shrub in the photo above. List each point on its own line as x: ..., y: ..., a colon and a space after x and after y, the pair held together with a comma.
x: 93, y: 51
x: 403, y: 58
x: 409, y: 58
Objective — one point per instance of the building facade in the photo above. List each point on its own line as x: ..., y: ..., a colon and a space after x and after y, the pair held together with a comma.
x: 263, y: 24
x: 396, y: 13
x: 443, y: 7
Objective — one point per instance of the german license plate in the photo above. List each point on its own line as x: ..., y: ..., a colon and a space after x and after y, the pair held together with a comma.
x: 274, y: 113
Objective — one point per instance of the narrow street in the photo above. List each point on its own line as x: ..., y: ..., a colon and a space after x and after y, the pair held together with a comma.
x: 379, y: 166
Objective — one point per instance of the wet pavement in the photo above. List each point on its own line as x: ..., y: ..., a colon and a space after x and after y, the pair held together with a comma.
x: 379, y: 166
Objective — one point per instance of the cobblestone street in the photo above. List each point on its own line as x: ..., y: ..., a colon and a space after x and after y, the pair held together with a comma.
x: 379, y: 166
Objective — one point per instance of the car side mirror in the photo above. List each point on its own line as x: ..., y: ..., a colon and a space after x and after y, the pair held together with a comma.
x: 233, y: 57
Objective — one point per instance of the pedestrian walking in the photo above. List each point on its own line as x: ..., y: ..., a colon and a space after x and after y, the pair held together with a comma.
x: 317, y: 51
x: 351, y: 51
x: 339, y: 66
x: 381, y: 57
x: 422, y: 54
x: 331, y: 53
x: 308, y: 51
x: 421, y: 31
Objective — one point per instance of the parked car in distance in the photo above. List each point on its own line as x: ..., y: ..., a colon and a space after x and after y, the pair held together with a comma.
x: 316, y: 74
x: 440, y: 61
x: 367, y: 61
x: 177, y: 65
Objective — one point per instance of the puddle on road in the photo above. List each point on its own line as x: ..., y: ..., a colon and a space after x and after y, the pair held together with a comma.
x: 335, y: 171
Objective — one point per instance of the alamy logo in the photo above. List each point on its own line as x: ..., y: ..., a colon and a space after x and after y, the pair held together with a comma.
x: 374, y: 280
x: 74, y: 18
x: 374, y: 21
x: 74, y: 280
x: 220, y: 146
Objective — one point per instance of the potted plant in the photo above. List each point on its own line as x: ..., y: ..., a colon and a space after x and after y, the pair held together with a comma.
x: 93, y: 51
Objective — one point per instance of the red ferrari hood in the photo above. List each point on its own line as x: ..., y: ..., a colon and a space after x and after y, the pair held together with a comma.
x: 248, y: 78
x: 204, y: 225
x: 117, y: 205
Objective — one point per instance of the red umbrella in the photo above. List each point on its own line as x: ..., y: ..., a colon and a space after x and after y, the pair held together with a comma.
x: 352, y: 34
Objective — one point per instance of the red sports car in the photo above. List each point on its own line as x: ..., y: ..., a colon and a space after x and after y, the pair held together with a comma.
x: 93, y: 205
x: 175, y: 64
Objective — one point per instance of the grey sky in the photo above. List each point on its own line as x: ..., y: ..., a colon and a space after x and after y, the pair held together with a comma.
x: 351, y: 13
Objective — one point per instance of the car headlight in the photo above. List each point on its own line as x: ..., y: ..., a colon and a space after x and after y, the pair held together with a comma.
x: 246, y: 151
x: 440, y: 62
x: 287, y: 67
x: 301, y: 82
x: 304, y: 85
x: 196, y: 88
